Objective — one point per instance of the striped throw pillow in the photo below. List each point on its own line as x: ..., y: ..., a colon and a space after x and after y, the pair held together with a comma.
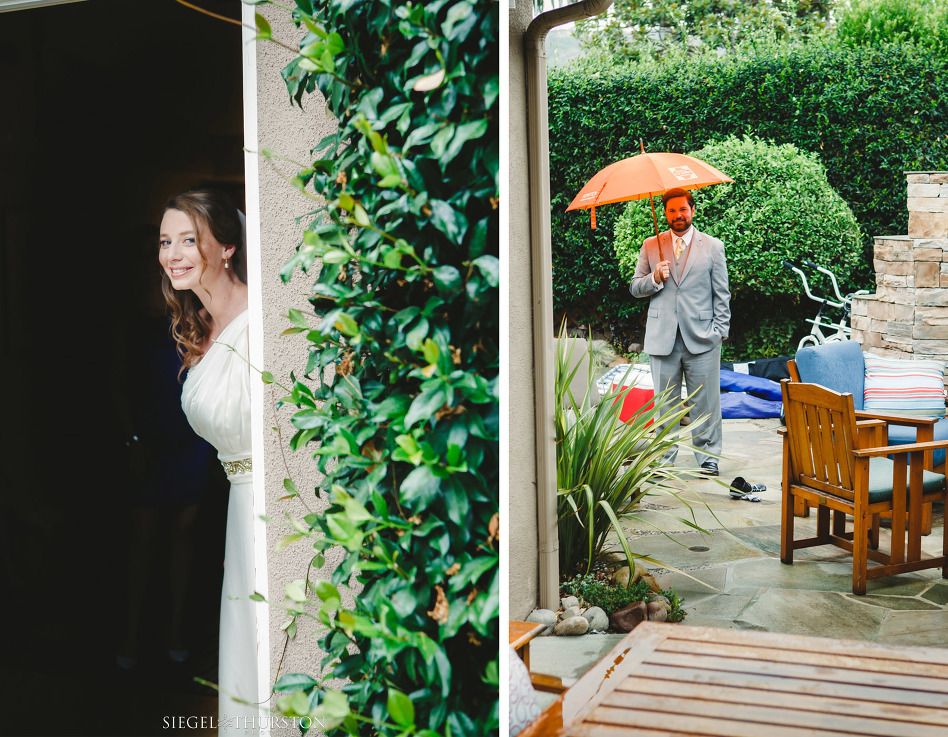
x: 908, y: 387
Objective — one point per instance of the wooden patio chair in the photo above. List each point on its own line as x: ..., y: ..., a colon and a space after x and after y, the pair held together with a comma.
x: 840, y: 465
x: 840, y: 366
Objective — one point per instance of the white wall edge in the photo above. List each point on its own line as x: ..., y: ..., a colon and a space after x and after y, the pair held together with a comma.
x: 503, y: 338
x: 257, y: 393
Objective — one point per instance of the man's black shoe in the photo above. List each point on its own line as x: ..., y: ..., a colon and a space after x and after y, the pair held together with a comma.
x: 709, y: 468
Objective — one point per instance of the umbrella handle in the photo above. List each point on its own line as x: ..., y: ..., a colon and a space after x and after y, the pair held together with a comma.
x: 658, y: 240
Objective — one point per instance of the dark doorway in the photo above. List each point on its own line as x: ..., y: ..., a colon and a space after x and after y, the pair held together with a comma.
x: 107, y: 107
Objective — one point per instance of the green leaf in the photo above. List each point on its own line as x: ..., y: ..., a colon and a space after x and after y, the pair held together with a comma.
x: 464, y: 133
x: 267, y: 377
x: 296, y: 590
x: 421, y: 485
x: 430, y: 350
x: 489, y: 266
x: 263, y: 27
x: 449, y: 221
x: 400, y: 708
x: 298, y: 319
x: 331, y: 710
x: 295, y: 682
x: 335, y: 256
x: 326, y: 591
x: 346, y: 324
x: 447, y: 278
x: 425, y: 405
x: 287, y: 540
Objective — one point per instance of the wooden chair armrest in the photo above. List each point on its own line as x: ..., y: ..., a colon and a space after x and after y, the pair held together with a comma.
x: 871, y: 433
x: 887, y: 450
x: 547, y: 684
x: 896, y: 419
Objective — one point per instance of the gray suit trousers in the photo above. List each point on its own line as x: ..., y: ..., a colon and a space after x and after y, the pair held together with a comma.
x: 699, y: 370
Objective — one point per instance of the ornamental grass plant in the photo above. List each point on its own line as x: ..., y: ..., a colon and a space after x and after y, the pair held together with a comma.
x: 604, y: 466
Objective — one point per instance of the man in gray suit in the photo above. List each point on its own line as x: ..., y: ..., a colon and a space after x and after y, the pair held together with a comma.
x: 689, y: 315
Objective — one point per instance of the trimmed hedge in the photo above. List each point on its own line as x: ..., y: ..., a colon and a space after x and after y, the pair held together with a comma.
x: 869, y: 113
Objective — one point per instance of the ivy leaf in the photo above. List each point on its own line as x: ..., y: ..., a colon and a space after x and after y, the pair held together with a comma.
x: 264, y: 32
x: 449, y: 221
x: 346, y: 324
x: 465, y: 132
x: 327, y: 592
x: 420, y: 485
x: 295, y: 682
x: 446, y: 278
x: 425, y: 405
x: 296, y: 590
x: 401, y: 708
x: 489, y: 266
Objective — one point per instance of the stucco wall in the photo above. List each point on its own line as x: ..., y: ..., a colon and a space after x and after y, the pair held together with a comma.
x: 289, y: 132
x: 522, y: 477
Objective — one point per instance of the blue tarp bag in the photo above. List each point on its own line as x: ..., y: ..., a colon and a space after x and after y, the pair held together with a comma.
x: 746, y: 396
x: 732, y: 381
x: 740, y: 405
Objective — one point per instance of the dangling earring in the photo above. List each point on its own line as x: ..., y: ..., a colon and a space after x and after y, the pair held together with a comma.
x: 226, y: 263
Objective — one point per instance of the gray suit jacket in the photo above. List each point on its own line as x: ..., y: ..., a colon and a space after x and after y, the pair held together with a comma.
x: 695, y: 299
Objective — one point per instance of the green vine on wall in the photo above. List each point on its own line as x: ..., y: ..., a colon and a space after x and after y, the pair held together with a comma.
x: 398, y: 399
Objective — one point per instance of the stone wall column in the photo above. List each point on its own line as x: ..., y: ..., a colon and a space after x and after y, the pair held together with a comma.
x: 907, y: 317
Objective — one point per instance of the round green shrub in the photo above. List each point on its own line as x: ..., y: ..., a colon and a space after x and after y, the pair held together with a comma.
x: 779, y: 207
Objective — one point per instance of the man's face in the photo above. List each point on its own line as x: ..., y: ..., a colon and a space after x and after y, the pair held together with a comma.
x: 679, y: 214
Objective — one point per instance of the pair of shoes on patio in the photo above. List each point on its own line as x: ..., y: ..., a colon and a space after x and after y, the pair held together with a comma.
x: 740, y: 489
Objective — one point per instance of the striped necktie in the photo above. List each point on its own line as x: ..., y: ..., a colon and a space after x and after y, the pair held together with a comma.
x: 679, y: 247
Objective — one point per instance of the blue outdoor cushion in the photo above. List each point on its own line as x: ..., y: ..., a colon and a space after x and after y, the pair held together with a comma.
x: 899, y: 435
x: 837, y: 366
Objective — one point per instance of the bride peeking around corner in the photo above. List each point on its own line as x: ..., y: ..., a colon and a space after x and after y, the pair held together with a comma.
x: 201, y: 252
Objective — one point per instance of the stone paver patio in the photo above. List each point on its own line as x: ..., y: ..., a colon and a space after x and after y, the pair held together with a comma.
x: 747, y: 585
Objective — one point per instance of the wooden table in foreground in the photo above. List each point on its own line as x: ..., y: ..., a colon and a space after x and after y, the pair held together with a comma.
x: 673, y: 679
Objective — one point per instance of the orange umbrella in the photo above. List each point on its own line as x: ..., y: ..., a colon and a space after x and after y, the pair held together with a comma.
x: 645, y: 175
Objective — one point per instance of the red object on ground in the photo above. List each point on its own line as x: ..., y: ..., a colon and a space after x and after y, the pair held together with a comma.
x: 634, y: 400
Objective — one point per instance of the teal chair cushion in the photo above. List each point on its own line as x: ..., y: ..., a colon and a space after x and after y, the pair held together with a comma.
x: 880, y: 480
x: 838, y: 366
x: 841, y: 367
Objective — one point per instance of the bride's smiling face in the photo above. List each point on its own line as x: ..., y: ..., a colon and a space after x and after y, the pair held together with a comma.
x: 183, y: 260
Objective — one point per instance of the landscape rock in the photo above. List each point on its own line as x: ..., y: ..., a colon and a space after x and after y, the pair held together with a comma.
x: 567, y: 601
x: 652, y: 583
x: 573, y: 611
x: 628, y: 617
x: 657, y: 612
x: 663, y: 599
x: 572, y: 626
x: 598, y: 619
x: 621, y: 576
x: 543, y: 616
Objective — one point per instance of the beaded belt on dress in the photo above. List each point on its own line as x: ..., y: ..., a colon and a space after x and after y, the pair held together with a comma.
x: 240, y: 466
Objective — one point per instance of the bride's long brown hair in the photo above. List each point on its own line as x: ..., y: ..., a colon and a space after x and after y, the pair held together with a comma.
x: 212, y: 211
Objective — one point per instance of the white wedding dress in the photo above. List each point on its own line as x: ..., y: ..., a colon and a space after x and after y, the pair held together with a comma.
x: 216, y: 400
